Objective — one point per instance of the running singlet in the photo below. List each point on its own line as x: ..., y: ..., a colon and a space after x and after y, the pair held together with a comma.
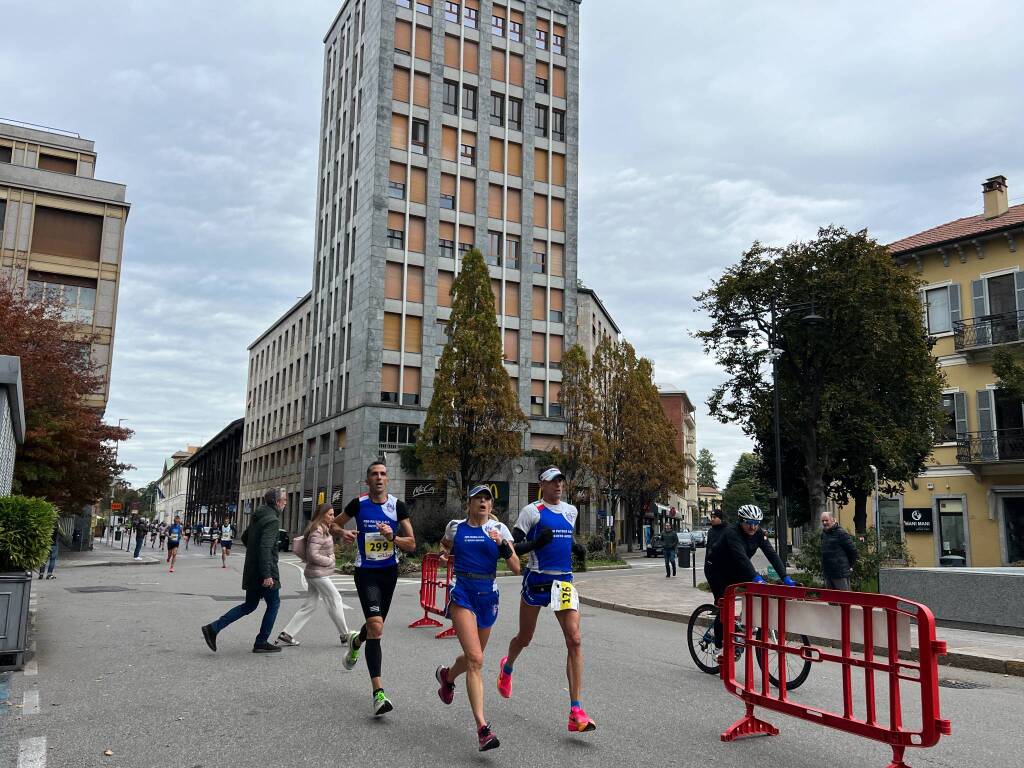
x: 174, y: 533
x: 226, y: 533
x: 554, y: 558
x: 373, y: 550
x: 476, y: 554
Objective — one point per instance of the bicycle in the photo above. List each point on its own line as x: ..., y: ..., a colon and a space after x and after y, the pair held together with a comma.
x: 705, y: 654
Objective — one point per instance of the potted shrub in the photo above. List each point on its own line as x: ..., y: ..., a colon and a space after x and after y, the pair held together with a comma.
x: 26, y: 531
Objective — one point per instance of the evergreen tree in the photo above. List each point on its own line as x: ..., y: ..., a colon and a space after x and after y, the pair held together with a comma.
x: 577, y: 400
x: 474, y: 423
x: 706, y: 469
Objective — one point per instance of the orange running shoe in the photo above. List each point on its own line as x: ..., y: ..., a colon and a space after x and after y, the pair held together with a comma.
x: 580, y: 722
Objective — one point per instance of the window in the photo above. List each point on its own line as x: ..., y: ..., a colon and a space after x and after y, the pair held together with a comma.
x: 493, y: 255
x: 540, y: 123
x: 542, y: 84
x: 450, y: 98
x: 420, y: 131
x: 66, y: 233
x: 470, y: 17
x: 403, y: 3
x: 5, y: 154
x: 512, y: 252
x: 3, y: 212
x: 955, y: 406
x: 515, y: 114
x: 536, y: 398
x: 57, y: 164
x: 389, y: 384
x: 396, y: 189
x: 557, y: 43
x: 451, y: 12
x: 515, y: 31
x: 467, y: 154
x: 497, y: 109
x: 447, y: 201
x: 469, y: 102
x: 397, y: 434
x: 558, y: 125
x: 497, y: 26
x: 423, y: 7
x: 396, y: 239
x: 937, y: 301
x: 541, y: 39
x: 78, y: 295
x: 540, y: 258
x: 447, y: 248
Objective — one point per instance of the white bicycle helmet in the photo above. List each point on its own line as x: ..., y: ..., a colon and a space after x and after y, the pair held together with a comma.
x: 750, y: 512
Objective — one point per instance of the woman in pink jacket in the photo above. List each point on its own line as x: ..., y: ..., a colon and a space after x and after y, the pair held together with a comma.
x: 319, y: 568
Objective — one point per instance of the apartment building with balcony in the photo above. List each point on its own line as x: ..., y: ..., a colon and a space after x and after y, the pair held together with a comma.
x: 967, y: 508
x: 682, y: 415
x: 274, y: 404
x: 62, y: 233
x: 445, y: 126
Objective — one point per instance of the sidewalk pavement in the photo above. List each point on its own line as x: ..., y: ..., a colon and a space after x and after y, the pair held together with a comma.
x: 103, y: 553
x: 646, y: 592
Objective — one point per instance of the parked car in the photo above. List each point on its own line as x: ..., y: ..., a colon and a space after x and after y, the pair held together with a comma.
x: 284, y: 541
x: 700, y: 538
x: 207, y: 534
x: 654, y: 549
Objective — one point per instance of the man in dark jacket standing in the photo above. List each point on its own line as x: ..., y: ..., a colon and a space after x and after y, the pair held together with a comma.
x: 261, y: 579
x: 669, y: 544
x: 838, y: 554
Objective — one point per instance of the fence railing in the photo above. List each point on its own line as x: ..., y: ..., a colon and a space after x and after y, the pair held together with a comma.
x: 989, y: 446
x: 988, y: 330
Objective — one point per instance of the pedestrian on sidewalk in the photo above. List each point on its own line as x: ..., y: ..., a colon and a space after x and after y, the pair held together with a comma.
x: 51, y: 561
x: 261, y: 579
x: 140, y: 537
x: 319, y: 556
x: 669, y: 544
x: 838, y: 553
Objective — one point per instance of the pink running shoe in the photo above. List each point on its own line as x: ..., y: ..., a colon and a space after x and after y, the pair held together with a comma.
x: 579, y: 722
x: 504, y: 680
x: 172, y: 569
x: 487, y: 739
x: 447, y: 690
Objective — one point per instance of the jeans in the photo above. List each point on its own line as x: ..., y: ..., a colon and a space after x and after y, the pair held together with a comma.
x: 843, y: 584
x: 670, y: 557
x: 271, y: 595
x: 318, y: 588
x: 138, y: 545
x: 51, y: 563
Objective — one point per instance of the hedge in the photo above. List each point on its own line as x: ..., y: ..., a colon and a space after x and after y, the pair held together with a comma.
x: 26, y: 532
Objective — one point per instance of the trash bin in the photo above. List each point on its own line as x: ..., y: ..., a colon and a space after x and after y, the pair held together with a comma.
x: 684, y: 557
x: 117, y: 535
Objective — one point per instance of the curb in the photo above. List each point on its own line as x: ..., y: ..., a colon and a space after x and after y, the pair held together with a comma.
x: 1014, y: 667
x: 112, y: 563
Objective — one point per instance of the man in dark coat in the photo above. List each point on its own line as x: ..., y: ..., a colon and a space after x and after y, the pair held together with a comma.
x: 261, y: 579
x: 838, y: 553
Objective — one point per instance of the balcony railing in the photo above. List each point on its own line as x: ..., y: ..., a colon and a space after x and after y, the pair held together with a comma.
x: 989, y: 330
x: 985, y: 447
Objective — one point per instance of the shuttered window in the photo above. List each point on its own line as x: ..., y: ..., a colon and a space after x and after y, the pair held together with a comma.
x: 471, y: 57
x: 400, y: 85
x: 515, y: 159
x: 558, y: 169
x: 554, y: 397
x: 392, y: 331
x: 67, y: 233
x: 449, y: 144
x: 393, y: 281
x: 496, y: 293
x: 515, y: 70
x: 399, y: 131
x: 558, y: 260
x: 494, y: 201
x: 513, y: 205
x: 414, y: 336
x: 539, y: 303
x: 444, y: 288
x: 497, y: 155
x: 411, y: 386
x: 558, y: 214
x: 417, y: 234
x: 421, y: 92
x: 403, y: 36
x: 68, y: 165
x: 418, y: 182
x: 558, y: 83
x: 540, y: 211
x: 555, y: 351
x: 537, y: 350
x: 467, y: 238
x: 467, y: 195
x: 389, y: 383
x: 540, y: 165
x: 511, y: 299
x: 451, y: 51
x: 447, y: 184
x: 414, y: 284
x: 498, y: 64
x: 423, y: 43
x: 536, y: 404
x: 511, y: 345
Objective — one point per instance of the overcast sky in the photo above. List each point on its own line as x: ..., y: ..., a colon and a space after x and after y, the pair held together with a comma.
x: 704, y: 126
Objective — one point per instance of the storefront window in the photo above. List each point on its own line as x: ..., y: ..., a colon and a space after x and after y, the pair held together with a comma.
x: 953, y: 539
x: 1013, y: 522
x: 889, y: 519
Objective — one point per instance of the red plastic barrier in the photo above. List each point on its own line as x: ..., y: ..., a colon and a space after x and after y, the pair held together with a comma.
x: 429, y: 586
x: 771, y: 600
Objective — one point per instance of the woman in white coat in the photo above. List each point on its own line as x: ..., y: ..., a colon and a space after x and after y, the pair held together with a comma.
x: 319, y: 551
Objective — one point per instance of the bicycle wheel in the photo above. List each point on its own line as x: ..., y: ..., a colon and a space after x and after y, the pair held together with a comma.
x: 793, y: 663
x: 700, y: 638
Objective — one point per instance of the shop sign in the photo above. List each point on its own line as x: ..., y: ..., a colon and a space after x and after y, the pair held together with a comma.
x: 917, y: 519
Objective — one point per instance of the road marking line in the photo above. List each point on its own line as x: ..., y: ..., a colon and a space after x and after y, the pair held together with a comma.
x: 31, y: 668
x: 30, y: 705
x: 32, y: 752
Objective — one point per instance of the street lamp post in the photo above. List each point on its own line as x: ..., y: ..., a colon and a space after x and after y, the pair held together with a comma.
x: 739, y: 331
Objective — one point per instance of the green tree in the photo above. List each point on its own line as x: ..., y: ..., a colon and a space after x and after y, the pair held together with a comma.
x: 606, y: 420
x: 858, y: 387
x: 577, y: 401
x: 745, y: 486
x: 474, y: 423
x: 1009, y: 372
x: 706, y: 469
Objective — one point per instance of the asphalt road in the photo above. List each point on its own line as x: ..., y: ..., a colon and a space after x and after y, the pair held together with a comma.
x: 128, y: 671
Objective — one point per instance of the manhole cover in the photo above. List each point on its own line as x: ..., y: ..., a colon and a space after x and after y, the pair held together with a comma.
x: 963, y: 685
x: 92, y: 590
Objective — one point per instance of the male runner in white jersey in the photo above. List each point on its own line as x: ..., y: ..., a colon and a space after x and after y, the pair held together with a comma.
x: 544, y: 530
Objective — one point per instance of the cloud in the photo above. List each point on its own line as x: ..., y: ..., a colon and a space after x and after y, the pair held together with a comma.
x: 704, y: 127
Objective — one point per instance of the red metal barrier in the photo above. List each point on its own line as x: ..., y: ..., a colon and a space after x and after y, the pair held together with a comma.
x: 429, y: 586
x: 765, y: 605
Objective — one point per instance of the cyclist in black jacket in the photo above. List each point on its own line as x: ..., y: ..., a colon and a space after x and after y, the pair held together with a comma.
x: 728, y: 561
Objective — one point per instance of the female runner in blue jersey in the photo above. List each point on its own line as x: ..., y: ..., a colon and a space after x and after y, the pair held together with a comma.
x: 476, y: 543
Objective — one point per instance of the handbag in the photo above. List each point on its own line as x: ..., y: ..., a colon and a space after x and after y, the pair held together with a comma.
x: 299, y: 547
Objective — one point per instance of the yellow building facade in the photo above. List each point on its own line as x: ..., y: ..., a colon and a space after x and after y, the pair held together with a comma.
x: 967, y: 508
